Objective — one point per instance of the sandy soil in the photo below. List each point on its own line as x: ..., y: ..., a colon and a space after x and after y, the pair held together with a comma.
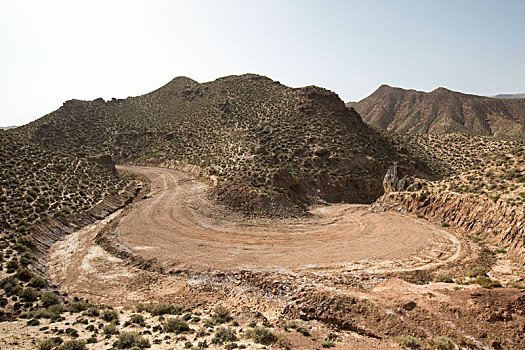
x: 177, y: 224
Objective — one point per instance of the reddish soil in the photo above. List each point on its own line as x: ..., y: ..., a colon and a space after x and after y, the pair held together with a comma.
x: 344, y: 267
x: 177, y: 224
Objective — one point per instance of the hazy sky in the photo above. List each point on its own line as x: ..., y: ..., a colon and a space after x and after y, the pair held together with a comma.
x: 52, y: 51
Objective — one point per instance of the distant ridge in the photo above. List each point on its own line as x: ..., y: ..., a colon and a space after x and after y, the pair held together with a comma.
x: 7, y: 127
x: 443, y: 111
x: 510, y: 95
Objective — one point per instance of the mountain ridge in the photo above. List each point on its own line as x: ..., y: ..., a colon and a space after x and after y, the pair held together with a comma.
x: 442, y: 111
x: 268, y: 147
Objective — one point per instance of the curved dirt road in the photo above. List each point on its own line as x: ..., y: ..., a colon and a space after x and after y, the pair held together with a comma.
x: 178, y: 225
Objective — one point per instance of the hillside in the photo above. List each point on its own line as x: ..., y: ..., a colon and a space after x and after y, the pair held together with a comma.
x: 269, y: 148
x: 40, y: 187
x: 38, y: 183
x: 443, y: 111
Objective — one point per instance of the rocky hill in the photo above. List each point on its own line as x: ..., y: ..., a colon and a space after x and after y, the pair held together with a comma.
x: 443, y: 111
x: 268, y: 148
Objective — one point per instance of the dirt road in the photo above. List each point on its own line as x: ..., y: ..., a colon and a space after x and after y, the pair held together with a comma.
x: 178, y: 225
x: 340, y: 266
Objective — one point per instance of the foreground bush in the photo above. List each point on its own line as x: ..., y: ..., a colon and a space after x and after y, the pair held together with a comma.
x: 408, y: 342
x: 73, y: 345
x: 224, y: 335
x: 110, y: 328
x: 487, y: 282
x: 49, y: 299
x: 160, y: 309
x: 130, y: 340
x: 175, y: 325
x: 109, y: 315
x: 443, y: 278
x: 477, y: 271
x: 261, y: 335
x: 221, y: 314
x: 442, y: 343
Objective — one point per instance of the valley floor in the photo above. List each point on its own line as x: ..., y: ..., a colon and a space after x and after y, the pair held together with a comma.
x: 344, y: 268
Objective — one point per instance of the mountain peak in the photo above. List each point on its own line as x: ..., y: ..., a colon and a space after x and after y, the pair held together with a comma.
x: 442, y: 111
x: 182, y: 81
x: 441, y: 89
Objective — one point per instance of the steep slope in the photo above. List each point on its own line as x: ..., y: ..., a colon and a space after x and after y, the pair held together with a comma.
x: 268, y: 148
x: 443, y: 111
x: 38, y: 183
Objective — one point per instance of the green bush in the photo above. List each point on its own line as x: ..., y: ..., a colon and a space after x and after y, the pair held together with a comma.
x: 517, y: 285
x: 50, y: 343
x: 23, y: 274
x: 442, y: 343
x: 49, y: 298
x: 11, y: 286
x: 175, y: 325
x: 221, y: 314
x: 261, y: 335
x: 33, y: 322
x: 109, y: 315
x: 477, y: 271
x: 130, y: 340
x: 78, y: 306
x: 487, y: 282
x: 160, y: 309
x: 26, y: 241
x: 73, y: 345
x: 443, y: 278
x: 93, y: 311
x: 225, y: 335
x: 137, y: 319
x: 303, y: 331
x: 408, y: 342
x: 37, y: 282
x: 327, y: 344
x: 110, y: 328
x: 29, y: 294
x: 445, y: 224
x: 12, y: 264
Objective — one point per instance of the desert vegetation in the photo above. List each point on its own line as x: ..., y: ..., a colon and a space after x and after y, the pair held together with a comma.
x: 38, y: 184
x: 260, y: 141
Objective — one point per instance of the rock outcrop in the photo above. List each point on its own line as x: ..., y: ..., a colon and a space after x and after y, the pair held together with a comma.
x: 393, y: 183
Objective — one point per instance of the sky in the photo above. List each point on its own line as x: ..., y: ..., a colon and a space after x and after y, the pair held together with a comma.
x: 53, y: 51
